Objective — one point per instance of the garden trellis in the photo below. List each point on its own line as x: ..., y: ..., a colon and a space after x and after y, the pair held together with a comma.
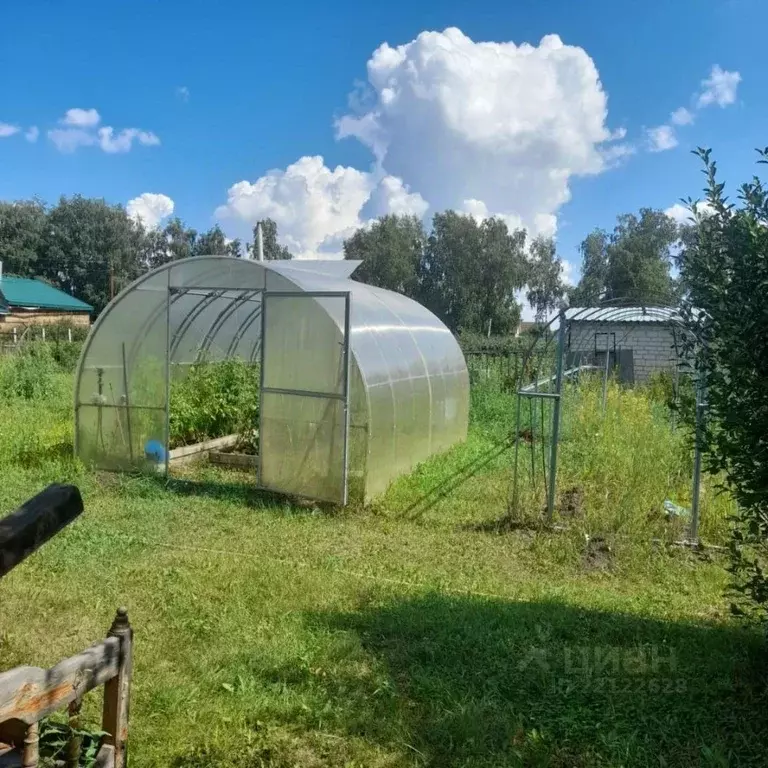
x: 358, y: 384
x: 612, y: 339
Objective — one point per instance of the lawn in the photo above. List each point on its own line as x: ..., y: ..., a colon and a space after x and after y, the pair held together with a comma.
x: 433, y: 628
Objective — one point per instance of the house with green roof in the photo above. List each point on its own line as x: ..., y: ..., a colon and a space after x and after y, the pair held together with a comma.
x: 28, y: 301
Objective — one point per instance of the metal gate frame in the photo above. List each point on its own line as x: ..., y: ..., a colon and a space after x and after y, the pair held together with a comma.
x: 344, y: 396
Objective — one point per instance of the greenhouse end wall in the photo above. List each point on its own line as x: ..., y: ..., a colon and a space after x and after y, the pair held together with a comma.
x: 403, y: 382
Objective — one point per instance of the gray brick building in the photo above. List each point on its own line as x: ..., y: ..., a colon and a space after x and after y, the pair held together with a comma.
x: 639, y: 340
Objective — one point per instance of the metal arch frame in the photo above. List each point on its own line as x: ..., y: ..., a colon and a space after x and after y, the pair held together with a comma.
x: 617, y: 308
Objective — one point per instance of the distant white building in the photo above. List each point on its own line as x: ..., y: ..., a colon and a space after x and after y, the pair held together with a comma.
x: 639, y: 340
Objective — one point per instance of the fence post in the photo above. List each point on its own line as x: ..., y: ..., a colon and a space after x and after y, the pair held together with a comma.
x: 117, y: 691
x: 43, y: 329
x: 556, y: 418
x: 69, y: 335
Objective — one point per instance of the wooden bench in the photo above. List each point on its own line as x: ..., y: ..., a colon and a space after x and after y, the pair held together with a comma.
x: 29, y: 694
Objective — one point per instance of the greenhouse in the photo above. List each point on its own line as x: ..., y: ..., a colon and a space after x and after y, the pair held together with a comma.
x: 356, y: 384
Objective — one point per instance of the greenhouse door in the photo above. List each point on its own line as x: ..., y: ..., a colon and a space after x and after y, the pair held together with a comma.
x: 304, y: 407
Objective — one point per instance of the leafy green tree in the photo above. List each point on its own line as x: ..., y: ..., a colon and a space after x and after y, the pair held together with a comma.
x: 273, y: 251
x: 180, y: 241
x: 470, y: 272
x: 22, y: 232
x: 211, y: 243
x: 545, y: 284
x: 391, y: 250
x: 91, y: 249
x: 724, y: 265
x: 594, y: 270
x: 235, y: 248
x: 631, y: 264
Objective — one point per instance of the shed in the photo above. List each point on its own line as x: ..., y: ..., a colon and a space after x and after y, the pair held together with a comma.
x: 358, y: 384
x: 639, y: 340
x: 28, y: 301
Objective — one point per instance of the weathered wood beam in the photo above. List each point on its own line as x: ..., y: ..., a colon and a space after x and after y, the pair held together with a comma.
x: 30, y: 693
x: 37, y: 520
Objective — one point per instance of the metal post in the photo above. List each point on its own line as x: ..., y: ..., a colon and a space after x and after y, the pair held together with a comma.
x: 515, y: 496
x: 168, y: 375
x: 260, y: 479
x: 699, y: 416
x: 259, y: 242
x: 605, y: 374
x: 345, y: 466
x: 556, y: 417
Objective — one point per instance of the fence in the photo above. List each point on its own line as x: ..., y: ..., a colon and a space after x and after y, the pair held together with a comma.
x: 30, y: 694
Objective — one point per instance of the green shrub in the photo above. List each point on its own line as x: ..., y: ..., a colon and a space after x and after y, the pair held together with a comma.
x: 214, y: 399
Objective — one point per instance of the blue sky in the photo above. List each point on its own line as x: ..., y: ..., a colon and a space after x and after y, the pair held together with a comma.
x: 268, y: 84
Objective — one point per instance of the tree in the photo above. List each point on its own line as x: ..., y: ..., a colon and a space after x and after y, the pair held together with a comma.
x: 545, y: 285
x: 235, y: 248
x: 594, y: 270
x: 91, y: 249
x: 211, y: 243
x: 631, y: 264
x: 22, y: 230
x: 724, y: 265
x: 470, y: 272
x: 180, y: 241
x: 273, y: 251
x: 390, y: 250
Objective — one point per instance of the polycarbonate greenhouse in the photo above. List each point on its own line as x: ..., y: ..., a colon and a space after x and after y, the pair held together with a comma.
x: 358, y: 384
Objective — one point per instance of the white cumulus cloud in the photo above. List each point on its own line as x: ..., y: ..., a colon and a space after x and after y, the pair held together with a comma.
x: 392, y: 196
x: 719, y: 88
x: 681, y: 116
x: 79, y: 129
x: 498, y: 123
x: 682, y: 215
x: 315, y: 207
x: 81, y: 118
x: 661, y: 138
x: 6, y: 130
x: 492, y: 129
x: 150, y: 208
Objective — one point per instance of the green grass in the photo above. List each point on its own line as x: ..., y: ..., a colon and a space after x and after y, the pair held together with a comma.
x: 430, y: 629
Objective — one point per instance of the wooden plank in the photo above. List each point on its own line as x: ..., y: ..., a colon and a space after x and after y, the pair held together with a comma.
x: 30, y: 693
x: 117, y: 692
x: 235, y: 460
x: 228, y: 441
x: 37, y: 520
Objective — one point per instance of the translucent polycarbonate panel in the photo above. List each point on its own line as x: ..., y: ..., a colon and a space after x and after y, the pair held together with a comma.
x: 115, y: 438
x: 121, y: 389
x: 413, y: 377
x: 303, y: 346
x: 301, y: 446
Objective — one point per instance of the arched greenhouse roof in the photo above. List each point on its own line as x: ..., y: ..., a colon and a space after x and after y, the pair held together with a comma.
x: 358, y: 383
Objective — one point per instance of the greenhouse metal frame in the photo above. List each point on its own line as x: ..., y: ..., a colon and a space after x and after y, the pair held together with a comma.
x: 357, y: 384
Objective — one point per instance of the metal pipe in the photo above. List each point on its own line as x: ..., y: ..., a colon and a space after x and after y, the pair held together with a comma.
x: 259, y: 242
x: 168, y: 375
x: 605, y: 374
x: 696, y: 492
x: 556, y: 419
x: 345, y: 466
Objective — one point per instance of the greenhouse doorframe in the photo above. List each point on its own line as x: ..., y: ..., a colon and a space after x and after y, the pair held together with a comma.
x: 341, y: 494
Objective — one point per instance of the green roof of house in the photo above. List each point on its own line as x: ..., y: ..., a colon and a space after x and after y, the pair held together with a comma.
x: 35, y: 294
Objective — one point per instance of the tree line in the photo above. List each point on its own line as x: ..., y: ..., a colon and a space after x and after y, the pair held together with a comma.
x: 470, y: 273
x: 93, y: 250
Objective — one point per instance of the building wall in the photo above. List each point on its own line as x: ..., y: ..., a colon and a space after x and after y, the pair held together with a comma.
x: 652, y: 344
x: 21, y: 318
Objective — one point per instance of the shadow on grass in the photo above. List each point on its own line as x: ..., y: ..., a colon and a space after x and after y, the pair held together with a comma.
x: 452, y: 482
x: 493, y: 683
